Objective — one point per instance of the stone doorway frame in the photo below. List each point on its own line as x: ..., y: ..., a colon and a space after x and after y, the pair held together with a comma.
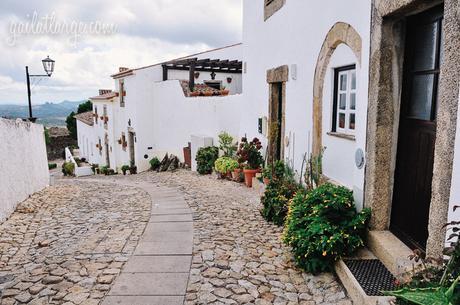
x: 279, y: 75
x: 385, y: 84
x: 339, y: 33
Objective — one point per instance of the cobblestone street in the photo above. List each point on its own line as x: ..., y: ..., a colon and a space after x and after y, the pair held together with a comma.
x: 67, y: 244
x: 238, y: 258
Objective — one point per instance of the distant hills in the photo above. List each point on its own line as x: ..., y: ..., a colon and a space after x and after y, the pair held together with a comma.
x: 48, y: 114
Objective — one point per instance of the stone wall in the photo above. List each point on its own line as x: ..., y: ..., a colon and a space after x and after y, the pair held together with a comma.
x: 23, y: 164
x: 55, y: 149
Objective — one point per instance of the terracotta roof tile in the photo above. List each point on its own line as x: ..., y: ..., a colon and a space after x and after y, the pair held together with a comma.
x: 105, y: 96
x: 85, y: 117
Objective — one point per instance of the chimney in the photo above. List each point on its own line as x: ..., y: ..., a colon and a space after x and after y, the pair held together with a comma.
x: 104, y: 91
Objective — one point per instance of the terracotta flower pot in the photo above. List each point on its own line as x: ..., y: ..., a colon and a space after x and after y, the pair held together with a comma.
x: 236, y: 174
x: 248, y: 175
x: 208, y: 93
x: 195, y: 93
x: 225, y: 92
x: 229, y: 175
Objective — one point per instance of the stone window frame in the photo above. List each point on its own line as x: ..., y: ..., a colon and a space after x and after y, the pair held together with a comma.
x: 271, y: 7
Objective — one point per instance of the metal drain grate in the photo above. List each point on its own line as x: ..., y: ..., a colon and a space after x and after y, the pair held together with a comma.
x: 372, y: 275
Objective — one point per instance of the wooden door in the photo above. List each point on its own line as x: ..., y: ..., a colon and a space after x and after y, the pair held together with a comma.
x: 276, y: 122
x: 417, y: 129
x: 107, y: 152
x: 131, y: 148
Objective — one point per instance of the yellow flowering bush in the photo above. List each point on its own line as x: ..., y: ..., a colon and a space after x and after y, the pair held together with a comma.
x: 322, y: 226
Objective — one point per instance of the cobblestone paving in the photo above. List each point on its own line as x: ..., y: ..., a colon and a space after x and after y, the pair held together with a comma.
x: 66, y: 244
x: 238, y: 258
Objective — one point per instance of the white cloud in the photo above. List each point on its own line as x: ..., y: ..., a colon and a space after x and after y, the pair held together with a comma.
x: 148, y: 32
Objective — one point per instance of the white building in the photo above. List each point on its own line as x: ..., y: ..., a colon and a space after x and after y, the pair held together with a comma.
x: 330, y: 77
x: 345, y: 75
x: 152, y: 111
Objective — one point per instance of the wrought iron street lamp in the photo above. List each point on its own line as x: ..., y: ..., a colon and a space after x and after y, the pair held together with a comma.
x: 48, y: 66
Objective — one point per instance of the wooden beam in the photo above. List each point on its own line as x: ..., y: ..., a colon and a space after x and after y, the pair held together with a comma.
x: 165, y: 72
x: 192, y: 77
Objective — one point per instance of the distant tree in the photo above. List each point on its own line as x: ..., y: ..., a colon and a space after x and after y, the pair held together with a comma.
x: 72, y: 122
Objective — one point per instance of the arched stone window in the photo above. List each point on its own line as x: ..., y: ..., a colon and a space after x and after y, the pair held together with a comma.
x: 340, y: 33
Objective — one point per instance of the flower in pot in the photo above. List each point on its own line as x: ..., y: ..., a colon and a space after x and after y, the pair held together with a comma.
x: 249, y: 155
x: 225, y: 165
x: 195, y: 93
x: 267, y: 175
x: 237, y: 174
x: 208, y: 93
x: 124, y: 169
x: 224, y: 91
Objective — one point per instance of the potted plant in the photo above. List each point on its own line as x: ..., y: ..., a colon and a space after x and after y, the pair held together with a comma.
x: 225, y: 166
x: 249, y: 155
x: 266, y: 175
x: 133, y: 168
x: 120, y: 141
x: 237, y: 174
x: 195, y: 93
x: 124, y: 169
x: 208, y: 93
x: 205, y: 159
x: 224, y: 91
x: 105, y: 170
x: 154, y: 163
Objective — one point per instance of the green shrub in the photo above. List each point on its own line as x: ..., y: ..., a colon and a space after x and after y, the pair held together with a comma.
x: 322, y: 226
x: 105, y: 170
x: 52, y: 165
x: 280, y: 190
x: 68, y: 169
x: 125, y: 168
x: 205, y: 159
x: 279, y: 170
x: 224, y: 165
x: 226, y: 145
x: 154, y: 163
x: 276, y: 200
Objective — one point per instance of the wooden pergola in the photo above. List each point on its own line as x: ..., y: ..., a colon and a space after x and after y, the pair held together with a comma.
x: 202, y: 65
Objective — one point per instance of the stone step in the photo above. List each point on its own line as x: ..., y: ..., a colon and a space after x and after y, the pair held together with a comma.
x: 351, y: 284
x: 392, y: 252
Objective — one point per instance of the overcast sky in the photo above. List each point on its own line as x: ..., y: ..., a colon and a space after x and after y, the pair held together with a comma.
x: 147, y: 32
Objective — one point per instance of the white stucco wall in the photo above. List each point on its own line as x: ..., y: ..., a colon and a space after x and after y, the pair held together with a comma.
x: 297, y: 41
x: 23, y: 164
x: 183, y: 117
x: 148, y: 103
x: 86, y: 142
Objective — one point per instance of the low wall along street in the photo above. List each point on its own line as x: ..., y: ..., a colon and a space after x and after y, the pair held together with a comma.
x: 23, y: 164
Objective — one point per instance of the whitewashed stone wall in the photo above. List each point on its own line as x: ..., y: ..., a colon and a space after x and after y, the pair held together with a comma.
x: 23, y: 163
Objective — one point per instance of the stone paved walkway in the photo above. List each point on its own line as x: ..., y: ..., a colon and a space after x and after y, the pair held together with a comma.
x: 69, y: 244
x: 66, y: 244
x: 238, y: 258
x: 158, y: 272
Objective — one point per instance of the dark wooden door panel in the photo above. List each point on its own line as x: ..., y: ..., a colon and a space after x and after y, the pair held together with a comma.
x: 417, y: 129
